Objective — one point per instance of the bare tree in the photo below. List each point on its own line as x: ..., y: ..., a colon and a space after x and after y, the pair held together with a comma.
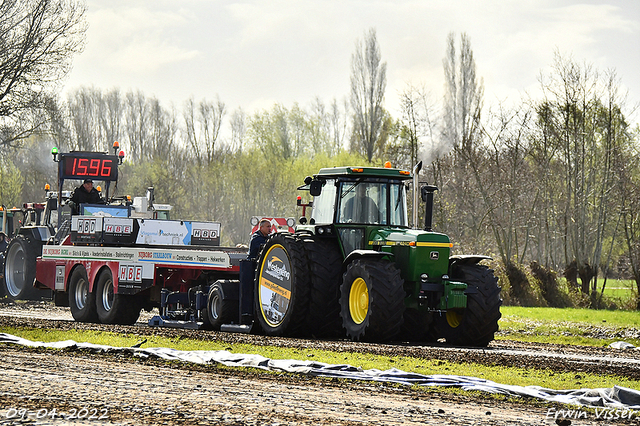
x: 416, y: 128
x: 368, y: 84
x: 85, y: 112
x: 463, y: 96
x: 238, y: 129
x: 38, y: 41
x: 202, y: 124
x: 338, y: 126
x: 136, y: 118
x: 111, y: 117
x: 462, y: 132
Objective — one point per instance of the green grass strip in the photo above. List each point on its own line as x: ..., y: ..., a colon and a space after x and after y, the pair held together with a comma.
x: 499, y: 374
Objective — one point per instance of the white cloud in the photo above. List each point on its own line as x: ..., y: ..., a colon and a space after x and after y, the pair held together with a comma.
x: 255, y: 53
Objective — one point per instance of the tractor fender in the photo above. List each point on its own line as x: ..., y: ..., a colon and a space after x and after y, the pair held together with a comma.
x: 35, y: 233
x: 359, y: 254
x: 467, y: 259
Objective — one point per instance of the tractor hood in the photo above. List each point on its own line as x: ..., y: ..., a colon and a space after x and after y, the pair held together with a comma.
x: 415, y: 252
x: 408, y: 237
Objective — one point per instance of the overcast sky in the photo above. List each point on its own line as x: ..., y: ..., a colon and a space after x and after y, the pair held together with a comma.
x: 257, y: 53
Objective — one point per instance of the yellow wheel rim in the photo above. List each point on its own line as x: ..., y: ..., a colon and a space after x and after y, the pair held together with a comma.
x: 359, y: 300
x: 453, y: 318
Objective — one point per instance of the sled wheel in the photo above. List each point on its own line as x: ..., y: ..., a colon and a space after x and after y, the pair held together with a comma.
x: 114, y: 308
x: 81, y: 300
x: 220, y: 310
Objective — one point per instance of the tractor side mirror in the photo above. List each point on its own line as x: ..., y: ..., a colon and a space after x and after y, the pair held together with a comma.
x: 315, y: 187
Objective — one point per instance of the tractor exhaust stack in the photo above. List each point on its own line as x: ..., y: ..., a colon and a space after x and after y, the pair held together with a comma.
x: 416, y: 172
x: 427, y: 196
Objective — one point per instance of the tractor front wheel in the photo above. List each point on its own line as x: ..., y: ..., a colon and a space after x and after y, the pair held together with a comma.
x: 477, y: 323
x: 372, y: 300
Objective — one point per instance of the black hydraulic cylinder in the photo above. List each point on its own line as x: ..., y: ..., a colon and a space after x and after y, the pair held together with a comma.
x: 427, y: 196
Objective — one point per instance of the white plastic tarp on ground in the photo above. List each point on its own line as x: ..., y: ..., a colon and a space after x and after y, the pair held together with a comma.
x: 617, y: 397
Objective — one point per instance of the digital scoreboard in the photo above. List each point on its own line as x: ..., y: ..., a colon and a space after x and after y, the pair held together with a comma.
x: 83, y: 165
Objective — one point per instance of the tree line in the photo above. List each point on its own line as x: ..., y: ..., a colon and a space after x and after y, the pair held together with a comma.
x: 546, y: 185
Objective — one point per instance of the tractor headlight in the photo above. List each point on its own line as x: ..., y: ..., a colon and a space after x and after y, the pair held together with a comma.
x: 424, y: 278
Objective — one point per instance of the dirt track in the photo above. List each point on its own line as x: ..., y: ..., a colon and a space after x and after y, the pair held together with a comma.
x: 126, y: 390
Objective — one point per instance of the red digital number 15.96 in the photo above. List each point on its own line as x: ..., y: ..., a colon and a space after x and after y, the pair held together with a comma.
x: 91, y: 167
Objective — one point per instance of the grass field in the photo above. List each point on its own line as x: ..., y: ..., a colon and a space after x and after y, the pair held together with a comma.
x: 570, y: 326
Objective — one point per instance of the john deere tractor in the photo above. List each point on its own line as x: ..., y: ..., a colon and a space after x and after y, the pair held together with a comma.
x: 357, y: 267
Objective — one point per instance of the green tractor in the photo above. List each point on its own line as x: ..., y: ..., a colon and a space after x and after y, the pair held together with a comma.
x: 357, y: 266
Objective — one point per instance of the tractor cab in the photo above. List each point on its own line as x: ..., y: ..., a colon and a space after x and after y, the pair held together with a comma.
x: 356, y: 202
x: 365, y: 208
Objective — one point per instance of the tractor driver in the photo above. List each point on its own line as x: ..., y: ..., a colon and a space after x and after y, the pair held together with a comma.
x: 360, y: 208
x: 85, y: 193
x: 259, y: 238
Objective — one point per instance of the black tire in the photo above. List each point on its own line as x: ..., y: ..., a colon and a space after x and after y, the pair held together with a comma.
x: 282, y: 287
x: 114, y: 308
x: 3, y: 290
x: 415, y: 327
x: 372, y: 300
x: 20, y: 269
x: 82, y: 302
x: 220, y: 310
x: 477, y: 323
x: 325, y: 264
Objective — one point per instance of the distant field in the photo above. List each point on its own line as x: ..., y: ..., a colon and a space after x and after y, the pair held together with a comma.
x: 571, y: 326
x: 575, y: 315
x: 619, y: 289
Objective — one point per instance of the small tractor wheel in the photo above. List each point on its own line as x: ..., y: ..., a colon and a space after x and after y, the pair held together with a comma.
x: 477, y: 323
x: 325, y: 262
x: 114, y: 308
x: 372, y: 300
x: 20, y: 269
x: 219, y: 310
x: 282, y: 287
x: 81, y: 301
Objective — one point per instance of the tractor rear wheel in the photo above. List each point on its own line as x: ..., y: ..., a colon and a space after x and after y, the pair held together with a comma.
x: 372, y: 300
x: 282, y: 286
x: 115, y: 308
x: 82, y: 302
x: 325, y: 263
x: 20, y: 269
x: 477, y: 323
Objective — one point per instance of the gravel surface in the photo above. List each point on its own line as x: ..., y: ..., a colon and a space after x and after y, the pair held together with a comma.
x: 121, y: 389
